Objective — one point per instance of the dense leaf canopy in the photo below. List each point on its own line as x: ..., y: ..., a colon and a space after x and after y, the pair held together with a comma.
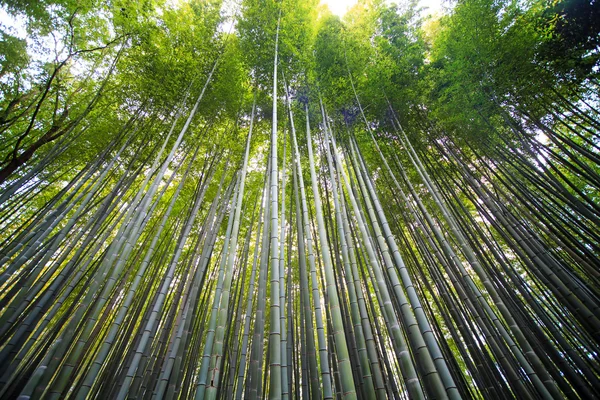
x: 206, y: 199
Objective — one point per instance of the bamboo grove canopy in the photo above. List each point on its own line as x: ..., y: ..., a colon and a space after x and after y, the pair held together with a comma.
x: 206, y: 200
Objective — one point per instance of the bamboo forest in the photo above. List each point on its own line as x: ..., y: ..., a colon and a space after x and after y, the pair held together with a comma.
x: 255, y: 199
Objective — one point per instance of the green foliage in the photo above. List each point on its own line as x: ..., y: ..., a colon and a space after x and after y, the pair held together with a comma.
x: 330, y: 65
x: 13, y: 61
x: 479, y: 133
x: 571, y: 46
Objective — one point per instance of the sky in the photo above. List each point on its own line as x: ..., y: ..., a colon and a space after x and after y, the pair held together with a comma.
x: 339, y: 7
